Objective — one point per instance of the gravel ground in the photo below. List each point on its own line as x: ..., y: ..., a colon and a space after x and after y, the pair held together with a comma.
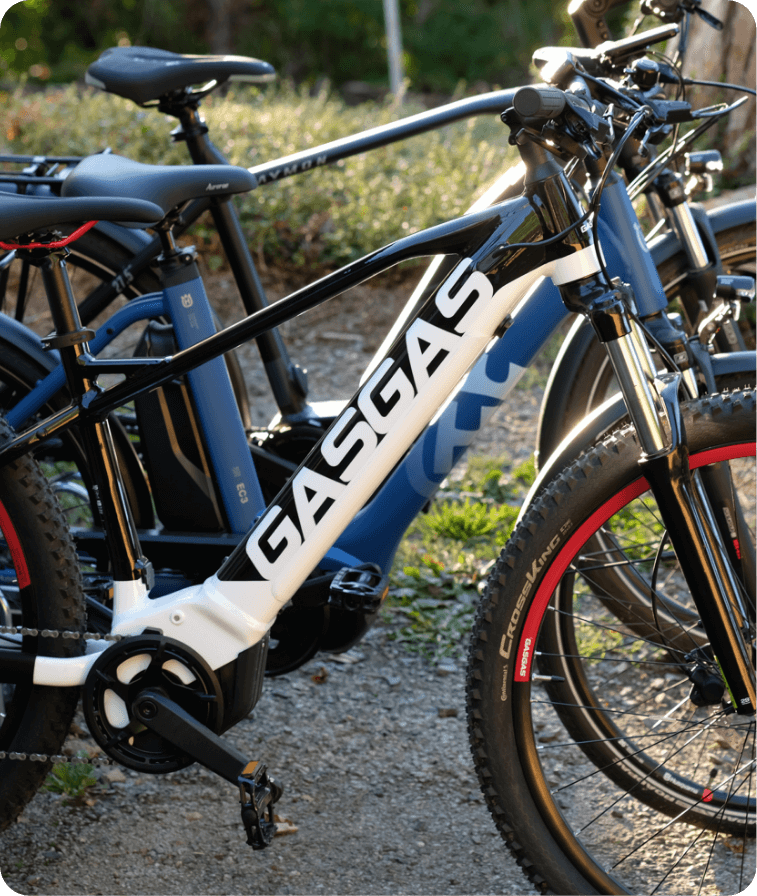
x: 379, y: 798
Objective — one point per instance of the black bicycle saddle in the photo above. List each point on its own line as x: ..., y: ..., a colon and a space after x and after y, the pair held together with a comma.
x: 21, y: 215
x: 145, y: 74
x: 165, y: 185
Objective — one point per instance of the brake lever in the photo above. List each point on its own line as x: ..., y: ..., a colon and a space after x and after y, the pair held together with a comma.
x: 598, y: 126
x: 695, y: 7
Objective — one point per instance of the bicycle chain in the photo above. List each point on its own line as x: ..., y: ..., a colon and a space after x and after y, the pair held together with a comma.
x: 56, y: 633
x: 73, y: 636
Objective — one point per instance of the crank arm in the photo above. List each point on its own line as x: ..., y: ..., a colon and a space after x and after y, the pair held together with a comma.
x: 257, y: 791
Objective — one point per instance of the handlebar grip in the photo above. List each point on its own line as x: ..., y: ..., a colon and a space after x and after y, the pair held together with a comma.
x: 539, y: 102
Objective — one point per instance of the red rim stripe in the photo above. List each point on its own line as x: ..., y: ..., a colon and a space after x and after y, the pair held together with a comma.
x: 14, y: 545
x: 582, y: 534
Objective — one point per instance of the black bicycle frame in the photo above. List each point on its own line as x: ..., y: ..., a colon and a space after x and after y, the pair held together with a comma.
x: 287, y: 381
x: 142, y: 374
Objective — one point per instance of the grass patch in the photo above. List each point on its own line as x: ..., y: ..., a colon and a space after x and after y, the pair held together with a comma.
x: 72, y: 781
x: 445, y: 556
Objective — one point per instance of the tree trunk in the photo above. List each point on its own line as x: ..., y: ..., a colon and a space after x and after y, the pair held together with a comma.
x: 727, y: 55
x: 219, y: 26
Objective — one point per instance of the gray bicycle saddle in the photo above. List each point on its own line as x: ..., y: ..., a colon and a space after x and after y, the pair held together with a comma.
x: 21, y: 215
x: 145, y: 74
x: 165, y: 185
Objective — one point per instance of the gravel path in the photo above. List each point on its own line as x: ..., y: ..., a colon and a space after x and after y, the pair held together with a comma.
x: 380, y: 798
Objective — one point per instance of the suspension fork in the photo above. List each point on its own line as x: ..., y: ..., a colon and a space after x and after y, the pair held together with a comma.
x: 653, y: 405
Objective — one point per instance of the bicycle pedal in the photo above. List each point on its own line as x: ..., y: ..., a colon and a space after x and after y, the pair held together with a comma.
x: 257, y: 795
x: 359, y: 588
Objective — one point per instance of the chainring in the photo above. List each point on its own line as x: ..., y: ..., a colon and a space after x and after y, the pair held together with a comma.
x: 127, y: 668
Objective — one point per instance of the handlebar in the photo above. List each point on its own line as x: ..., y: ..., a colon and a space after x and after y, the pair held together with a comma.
x: 591, y: 26
x: 620, y: 51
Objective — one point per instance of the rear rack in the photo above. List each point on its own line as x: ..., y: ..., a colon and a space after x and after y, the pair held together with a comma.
x: 38, y: 171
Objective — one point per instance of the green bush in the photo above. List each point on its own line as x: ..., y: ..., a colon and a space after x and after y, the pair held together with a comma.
x: 324, y: 218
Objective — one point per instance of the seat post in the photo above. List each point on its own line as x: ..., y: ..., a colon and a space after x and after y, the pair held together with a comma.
x: 69, y: 334
x: 288, y: 381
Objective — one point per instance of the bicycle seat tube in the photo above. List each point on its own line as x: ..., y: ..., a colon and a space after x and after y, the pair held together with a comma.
x: 288, y: 381
x: 72, y: 340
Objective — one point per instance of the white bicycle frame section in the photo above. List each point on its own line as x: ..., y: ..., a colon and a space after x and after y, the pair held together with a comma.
x: 219, y: 619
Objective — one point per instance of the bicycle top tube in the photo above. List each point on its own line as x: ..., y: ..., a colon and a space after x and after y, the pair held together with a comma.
x: 493, y: 103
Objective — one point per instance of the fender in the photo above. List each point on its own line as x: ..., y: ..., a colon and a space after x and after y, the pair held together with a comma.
x: 25, y: 340
x: 609, y: 416
x: 132, y: 239
x: 581, y: 337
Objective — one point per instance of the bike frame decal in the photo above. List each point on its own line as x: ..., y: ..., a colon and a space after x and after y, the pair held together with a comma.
x: 532, y: 625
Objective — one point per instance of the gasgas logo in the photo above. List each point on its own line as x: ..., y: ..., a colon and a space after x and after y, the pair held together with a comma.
x: 384, y: 400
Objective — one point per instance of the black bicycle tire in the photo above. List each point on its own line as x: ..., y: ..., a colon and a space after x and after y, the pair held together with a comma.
x: 39, y: 717
x: 499, y: 711
x: 568, y: 398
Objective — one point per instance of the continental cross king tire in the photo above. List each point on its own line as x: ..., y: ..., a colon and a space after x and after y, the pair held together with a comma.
x: 40, y: 588
x: 602, y: 773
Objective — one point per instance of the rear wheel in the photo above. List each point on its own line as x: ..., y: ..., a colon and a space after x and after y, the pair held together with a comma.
x: 40, y: 588
x: 611, y: 760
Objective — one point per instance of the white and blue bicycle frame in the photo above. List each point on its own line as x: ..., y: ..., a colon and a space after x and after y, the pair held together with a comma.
x: 426, y: 396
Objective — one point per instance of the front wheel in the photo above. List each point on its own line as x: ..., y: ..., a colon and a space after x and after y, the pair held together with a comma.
x: 611, y: 760
x: 40, y: 588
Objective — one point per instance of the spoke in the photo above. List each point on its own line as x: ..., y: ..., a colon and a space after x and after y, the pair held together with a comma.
x: 634, y: 638
x: 605, y: 711
x: 709, y: 858
x: 731, y: 794
x: 603, y: 769
x: 606, y: 659
x: 629, y: 792
x: 685, y: 811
